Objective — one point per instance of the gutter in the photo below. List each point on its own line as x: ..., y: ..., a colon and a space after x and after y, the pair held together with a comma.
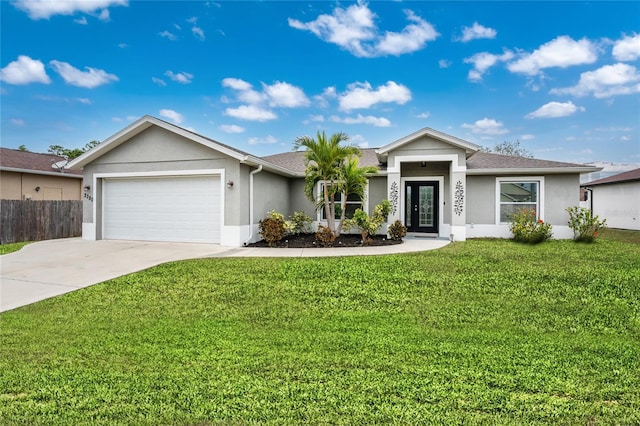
x: 253, y: 173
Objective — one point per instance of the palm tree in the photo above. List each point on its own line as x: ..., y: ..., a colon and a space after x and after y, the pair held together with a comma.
x: 324, y: 159
x: 353, y: 180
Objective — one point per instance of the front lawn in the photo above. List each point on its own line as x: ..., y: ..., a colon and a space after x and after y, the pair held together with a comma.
x: 489, y: 332
x: 11, y: 247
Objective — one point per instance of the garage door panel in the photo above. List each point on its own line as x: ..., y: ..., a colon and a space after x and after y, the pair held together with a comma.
x: 163, y: 209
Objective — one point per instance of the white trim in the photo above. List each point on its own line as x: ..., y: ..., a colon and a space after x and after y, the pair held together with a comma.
x: 427, y: 131
x: 453, y: 158
x: 167, y: 173
x: 88, y: 231
x: 403, y: 201
x: 540, y: 195
x: 40, y: 172
x: 560, y: 232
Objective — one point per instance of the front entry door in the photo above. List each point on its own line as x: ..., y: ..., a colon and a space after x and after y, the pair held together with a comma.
x: 421, y: 206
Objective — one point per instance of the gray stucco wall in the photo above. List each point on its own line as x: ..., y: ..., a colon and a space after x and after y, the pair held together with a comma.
x: 561, y: 191
x: 158, y: 150
x: 377, y: 191
x: 427, y: 146
x: 481, y: 199
x: 270, y: 192
x: 298, y: 202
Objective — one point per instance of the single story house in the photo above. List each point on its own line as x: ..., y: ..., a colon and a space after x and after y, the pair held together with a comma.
x: 156, y: 181
x: 31, y: 176
x: 617, y: 199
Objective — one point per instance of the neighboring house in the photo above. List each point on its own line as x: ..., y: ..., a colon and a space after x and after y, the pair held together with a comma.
x: 617, y: 199
x: 31, y: 176
x: 156, y: 181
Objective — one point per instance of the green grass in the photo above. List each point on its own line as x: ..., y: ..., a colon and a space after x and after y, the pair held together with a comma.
x: 482, y: 332
x: 11, y: 247
x: 623, y: 235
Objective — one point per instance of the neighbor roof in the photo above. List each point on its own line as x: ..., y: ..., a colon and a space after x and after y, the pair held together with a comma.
x: 630, y: 176
x: 13, y: 160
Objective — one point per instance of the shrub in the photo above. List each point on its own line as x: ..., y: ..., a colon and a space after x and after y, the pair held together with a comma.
x: 369, y: 225
x: 584, y: 225
x: 526, y: 229
x: 272, y: 228
x: 397, y: 230
x: 299, y: 222
x: 325, y: 236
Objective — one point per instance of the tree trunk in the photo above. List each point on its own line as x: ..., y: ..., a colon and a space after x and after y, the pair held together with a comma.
x: 342, y: 214
x: 328, y: 209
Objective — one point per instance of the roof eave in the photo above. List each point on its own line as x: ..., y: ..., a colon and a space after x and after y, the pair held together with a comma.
x: 40, y: 172
x: 532, y: 170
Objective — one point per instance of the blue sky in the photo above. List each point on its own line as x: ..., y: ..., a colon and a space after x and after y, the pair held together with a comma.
x: 563, y: 78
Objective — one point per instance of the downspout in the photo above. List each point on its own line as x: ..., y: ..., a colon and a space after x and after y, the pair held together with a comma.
x: 253, y: 172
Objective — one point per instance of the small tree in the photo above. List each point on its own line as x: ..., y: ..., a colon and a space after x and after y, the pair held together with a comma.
x: 509, y: 148
x: 369, y: 226
x: 352, y: 181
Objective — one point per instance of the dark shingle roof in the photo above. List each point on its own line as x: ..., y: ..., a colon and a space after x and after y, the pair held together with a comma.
x: 630, y: 176
x: 294, y: 160
x: 31, y: 161
x: 486, y: 160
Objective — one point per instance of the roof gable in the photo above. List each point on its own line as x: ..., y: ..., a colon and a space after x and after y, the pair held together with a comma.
x: 435, y: 134
x: 13, y: 160
x: 629, y: 176
x: 139, y: 126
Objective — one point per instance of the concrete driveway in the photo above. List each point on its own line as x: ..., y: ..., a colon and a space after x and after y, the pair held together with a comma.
x: 50, y: 268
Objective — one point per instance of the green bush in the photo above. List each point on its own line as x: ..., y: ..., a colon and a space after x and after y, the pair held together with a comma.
x: 369, y: 226
x: 397, y: 230
x: 325, y: 236
x: 526, y: 229
x: 584, y: 225
x: 299, y: 222
x: 272, y: 228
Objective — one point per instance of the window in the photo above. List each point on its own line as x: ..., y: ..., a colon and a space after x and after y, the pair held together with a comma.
x: 515, y: 195
x: 353, y: 203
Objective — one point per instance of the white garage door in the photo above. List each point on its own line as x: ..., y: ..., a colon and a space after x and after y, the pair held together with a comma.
x: 185, y: 209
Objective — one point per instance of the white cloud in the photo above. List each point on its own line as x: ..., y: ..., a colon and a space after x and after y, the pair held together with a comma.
x: 423, y: 115
x: 168, y: 35
x: 486, y: 126
x: 562, y: 52
x: 268, y: 140
x: 81, y: 21
x: 251, y: 113
x: 327, y: 94
x: 607, y: 81
x: 527, y: 137
x: 483, y: 61
x: 232, y: 128
x: 176, y: 117
x: 159, y: 81
x: 411, y: 39
x: 123, y: 45
x: 354, y: 30
x: 627, y: 48
x: 85, y: 101
x: 314, y: 119
x: 477, y: 31
x: 198, y: 33
x: 285, y: 95
x: 17, y: 122
x: 359, y: 140
x: 90, y: 78
x: 625, y: 138
x: 361, y: 119
x: 247, y: 94
x: 44, y: 9
x: 362, y: 95
x: 444, y: 63
x: 24, y: 70
x: 555, y: 110
x: 181, y: 77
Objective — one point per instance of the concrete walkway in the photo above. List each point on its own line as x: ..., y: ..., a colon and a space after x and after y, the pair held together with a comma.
x: 50, y: 268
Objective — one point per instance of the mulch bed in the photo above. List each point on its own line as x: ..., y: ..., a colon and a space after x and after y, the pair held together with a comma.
x: 344, y: 240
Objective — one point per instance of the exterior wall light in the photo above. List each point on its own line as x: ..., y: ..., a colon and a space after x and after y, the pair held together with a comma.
x: 87, y: 187
x: 229, y: 184
x: 37, y: 188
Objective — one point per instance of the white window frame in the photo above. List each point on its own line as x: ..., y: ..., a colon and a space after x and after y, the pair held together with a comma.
x: 521, y: 179
x: 320, y: 212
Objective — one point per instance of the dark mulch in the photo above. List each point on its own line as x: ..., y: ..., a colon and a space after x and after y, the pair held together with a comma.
x: 344, y: 240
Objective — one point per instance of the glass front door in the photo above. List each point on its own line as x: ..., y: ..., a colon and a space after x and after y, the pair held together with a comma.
x: 421, y: 207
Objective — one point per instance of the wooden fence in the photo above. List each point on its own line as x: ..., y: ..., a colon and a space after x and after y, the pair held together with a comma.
x: 26, y: 220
